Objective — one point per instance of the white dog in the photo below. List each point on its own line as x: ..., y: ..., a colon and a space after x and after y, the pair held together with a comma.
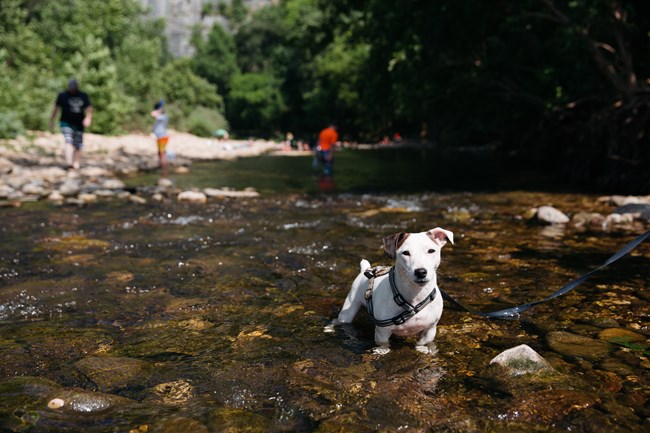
x: 405, y: 300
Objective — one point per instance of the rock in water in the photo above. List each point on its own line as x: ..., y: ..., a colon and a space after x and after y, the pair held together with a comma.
x: 192, y: 197
x: 521, y: 360
x: 568, y: 344
x: 164, y: 182
x: 551, y: 215
x: 114, y: 373
x: 637, y: 210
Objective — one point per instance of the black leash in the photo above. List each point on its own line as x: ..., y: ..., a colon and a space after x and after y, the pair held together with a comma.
x: 514, y: 312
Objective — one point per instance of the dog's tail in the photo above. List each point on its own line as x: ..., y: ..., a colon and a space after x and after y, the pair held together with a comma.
x: 364, y: 265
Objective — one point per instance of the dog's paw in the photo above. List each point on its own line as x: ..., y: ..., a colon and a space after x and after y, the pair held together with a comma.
x: 380, y: 350
x: 329, y: 329
x: 430, y: 349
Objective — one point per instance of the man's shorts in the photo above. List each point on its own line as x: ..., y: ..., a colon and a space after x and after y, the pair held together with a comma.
x: 162, y: 144
x: 73, y: 137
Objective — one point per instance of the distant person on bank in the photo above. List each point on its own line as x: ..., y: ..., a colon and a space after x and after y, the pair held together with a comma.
x: 76, y: 115
x: 160, y: 131
x: 326, y: 141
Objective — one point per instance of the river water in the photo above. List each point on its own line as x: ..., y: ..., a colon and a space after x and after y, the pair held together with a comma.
x: 209, y: 318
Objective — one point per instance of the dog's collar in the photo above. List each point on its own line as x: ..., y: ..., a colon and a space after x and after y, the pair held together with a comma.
x: 409, y: 309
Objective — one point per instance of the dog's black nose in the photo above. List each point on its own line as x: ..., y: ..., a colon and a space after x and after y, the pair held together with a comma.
x: 420, y: 273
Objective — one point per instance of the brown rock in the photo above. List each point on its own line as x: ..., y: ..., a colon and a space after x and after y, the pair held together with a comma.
x: 568, y: 344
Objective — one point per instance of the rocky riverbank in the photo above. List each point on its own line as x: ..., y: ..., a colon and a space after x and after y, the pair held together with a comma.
x: 32, y: 167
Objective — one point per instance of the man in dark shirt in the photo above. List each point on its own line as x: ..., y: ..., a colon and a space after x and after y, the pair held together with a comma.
x: 76, y: 114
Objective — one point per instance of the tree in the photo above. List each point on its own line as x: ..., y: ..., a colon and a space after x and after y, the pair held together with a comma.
x: 215, y: 58
x: 97, y: 74
x: 256, y: 103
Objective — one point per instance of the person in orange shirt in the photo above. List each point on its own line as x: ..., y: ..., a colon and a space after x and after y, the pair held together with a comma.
x: 326, y: 141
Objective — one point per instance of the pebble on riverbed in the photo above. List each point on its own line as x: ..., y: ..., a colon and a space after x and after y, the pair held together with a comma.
x: 56, y: 403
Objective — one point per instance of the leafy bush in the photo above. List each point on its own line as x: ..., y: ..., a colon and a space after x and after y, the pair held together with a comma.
x: 256, y: 102
x: 203, y: 121
x: 10, y: 124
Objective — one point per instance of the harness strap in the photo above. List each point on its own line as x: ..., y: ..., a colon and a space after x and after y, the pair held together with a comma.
x: 409, y: 309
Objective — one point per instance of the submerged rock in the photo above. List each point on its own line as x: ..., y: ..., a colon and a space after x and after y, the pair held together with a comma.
x: 23, y: 389
x: 620, y: 335
x: 521, y: 360
x: 181, y: 425
x: 568, y: 344
x: 228, y: 420
x: 192, y: 197
x: 113, y: 373
x: 636, y: 210
x: 172, y: 393
x: 81, y: 400
x: 550, y: 215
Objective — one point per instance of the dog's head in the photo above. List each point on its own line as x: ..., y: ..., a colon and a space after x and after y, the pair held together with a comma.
x: 418, y: 253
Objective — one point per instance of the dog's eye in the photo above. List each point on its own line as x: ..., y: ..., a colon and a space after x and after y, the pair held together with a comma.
x: 406, y: 253
x: 431, y: 251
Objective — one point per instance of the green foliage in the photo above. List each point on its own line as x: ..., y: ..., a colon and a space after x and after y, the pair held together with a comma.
x: 215, y: 58
x: 118, y: 57
x: 181, y: 85
x: 256, y: 102
x: 97, y: 75
x: 203, y: 121
x: 10, y: 124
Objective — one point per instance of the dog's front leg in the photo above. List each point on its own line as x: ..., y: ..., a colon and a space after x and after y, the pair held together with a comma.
x: 425, y: 343
x: 382, y: 335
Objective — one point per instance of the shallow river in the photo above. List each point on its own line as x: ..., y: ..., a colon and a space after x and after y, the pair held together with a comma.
x: 209, y: 318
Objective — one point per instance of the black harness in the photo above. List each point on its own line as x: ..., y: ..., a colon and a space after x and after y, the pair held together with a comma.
x: 409, y: 309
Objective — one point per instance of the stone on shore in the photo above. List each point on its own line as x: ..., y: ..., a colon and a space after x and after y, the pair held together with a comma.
x: 217, y: 193
x: 113, y: 184
x: 87, y: 198
x: 136, y: 199
x: 70, y: 187
x: 192, y: 197
x: 164, y: 182
x: 55, y: 196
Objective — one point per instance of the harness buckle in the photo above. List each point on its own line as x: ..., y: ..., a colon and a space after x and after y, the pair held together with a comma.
x: 399, y: 299
x: 398, y: 320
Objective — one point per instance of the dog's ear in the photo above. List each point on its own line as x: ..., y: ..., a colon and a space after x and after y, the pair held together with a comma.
x: 393, y: 242
x: 441, y: 236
